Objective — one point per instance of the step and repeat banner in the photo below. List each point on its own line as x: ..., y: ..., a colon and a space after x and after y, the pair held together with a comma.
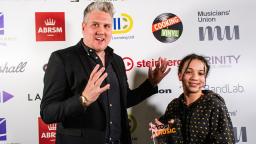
x: 143, y: 31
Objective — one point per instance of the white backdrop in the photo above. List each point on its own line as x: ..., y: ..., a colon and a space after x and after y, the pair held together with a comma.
x: 22, y: 58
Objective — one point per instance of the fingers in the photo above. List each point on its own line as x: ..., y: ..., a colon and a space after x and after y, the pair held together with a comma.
x: 106, y: 87
x: 167, y: 71
x: 99, y: 78
x: 164, y: 64
x: 93, y: 88
x: 95, y: 69
x: 97, y: 74
x: 158, y: 64
x: 158, y: 122
x: 171, y: 121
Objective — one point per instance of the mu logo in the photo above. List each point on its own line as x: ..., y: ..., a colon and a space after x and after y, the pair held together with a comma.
x: 219, y: 32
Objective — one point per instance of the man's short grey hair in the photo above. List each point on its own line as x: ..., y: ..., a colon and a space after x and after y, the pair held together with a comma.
x: 100, y: 6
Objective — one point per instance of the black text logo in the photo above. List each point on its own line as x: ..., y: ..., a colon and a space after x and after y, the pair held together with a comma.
x: 228, y: 32
x: 240, y: 134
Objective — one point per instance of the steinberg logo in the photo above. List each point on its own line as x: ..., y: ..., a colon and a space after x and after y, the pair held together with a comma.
x: 1, y: 23
x: 220, y: 33
x: 5, y: 96
x: 3, y: 129
x: 7, y: 68
x: 130, y: 63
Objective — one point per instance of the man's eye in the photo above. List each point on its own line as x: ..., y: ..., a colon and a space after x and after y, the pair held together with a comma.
x: 107, y: 26
x: 95, y: 25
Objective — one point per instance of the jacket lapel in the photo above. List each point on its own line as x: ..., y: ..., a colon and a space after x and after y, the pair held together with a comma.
x: 120, y: 75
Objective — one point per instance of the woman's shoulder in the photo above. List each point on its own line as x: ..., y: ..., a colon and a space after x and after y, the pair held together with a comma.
x: 213, y: 98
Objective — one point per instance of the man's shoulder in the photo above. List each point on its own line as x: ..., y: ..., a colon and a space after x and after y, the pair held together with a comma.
x: 67, y: 52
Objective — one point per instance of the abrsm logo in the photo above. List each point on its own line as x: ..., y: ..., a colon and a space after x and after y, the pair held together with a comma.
x: 47, y: 132
x: 50, y: 26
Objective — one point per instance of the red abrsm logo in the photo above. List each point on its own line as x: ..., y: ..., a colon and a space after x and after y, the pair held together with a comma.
x: 47, y: 132
x: 50, y: 26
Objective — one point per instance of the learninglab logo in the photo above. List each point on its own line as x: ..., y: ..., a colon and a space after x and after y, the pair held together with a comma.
x: 167, y: 28
x: 3, y: 132
x: 122, y: 24
x: 50, y: 26
x: 1, y: 23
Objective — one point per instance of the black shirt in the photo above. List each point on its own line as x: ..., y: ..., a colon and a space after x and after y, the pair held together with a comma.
x: 110, y: 98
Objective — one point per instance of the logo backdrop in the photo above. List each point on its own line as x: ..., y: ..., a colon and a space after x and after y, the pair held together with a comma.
x: 223, y: 31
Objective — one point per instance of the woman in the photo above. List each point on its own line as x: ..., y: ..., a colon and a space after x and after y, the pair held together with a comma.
x: 199, y: 116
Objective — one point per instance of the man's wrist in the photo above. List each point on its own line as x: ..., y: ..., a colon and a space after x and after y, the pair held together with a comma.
x: 84, y: 101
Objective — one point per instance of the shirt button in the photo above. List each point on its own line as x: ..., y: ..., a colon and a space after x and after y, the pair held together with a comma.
x: 96, y: 57
x: 110, y: 105
x: 110, y: 122
x: 90, y: 50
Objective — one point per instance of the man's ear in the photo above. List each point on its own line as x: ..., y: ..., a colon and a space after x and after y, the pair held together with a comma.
x: 83, y: 26
x: 180, y: 76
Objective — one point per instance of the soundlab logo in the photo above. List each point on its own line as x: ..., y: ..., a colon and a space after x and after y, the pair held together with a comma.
x: 1, y: 23
x: 5, y: 96
x: 3, y: 132
x: 167, y: 27
x: 50, y: 26
x: 226, y: 88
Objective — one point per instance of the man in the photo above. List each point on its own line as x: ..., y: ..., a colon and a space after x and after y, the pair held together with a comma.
x: 85, y: 86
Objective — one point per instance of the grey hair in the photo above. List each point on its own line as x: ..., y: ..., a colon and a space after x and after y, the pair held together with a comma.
x: 100, y: 6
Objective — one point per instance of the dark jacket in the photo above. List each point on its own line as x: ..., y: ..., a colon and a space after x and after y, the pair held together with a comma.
x: 66, y: 76
x: 205, y: 121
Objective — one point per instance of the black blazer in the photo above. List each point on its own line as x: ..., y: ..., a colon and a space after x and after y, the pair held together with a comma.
x: 66, y: 76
